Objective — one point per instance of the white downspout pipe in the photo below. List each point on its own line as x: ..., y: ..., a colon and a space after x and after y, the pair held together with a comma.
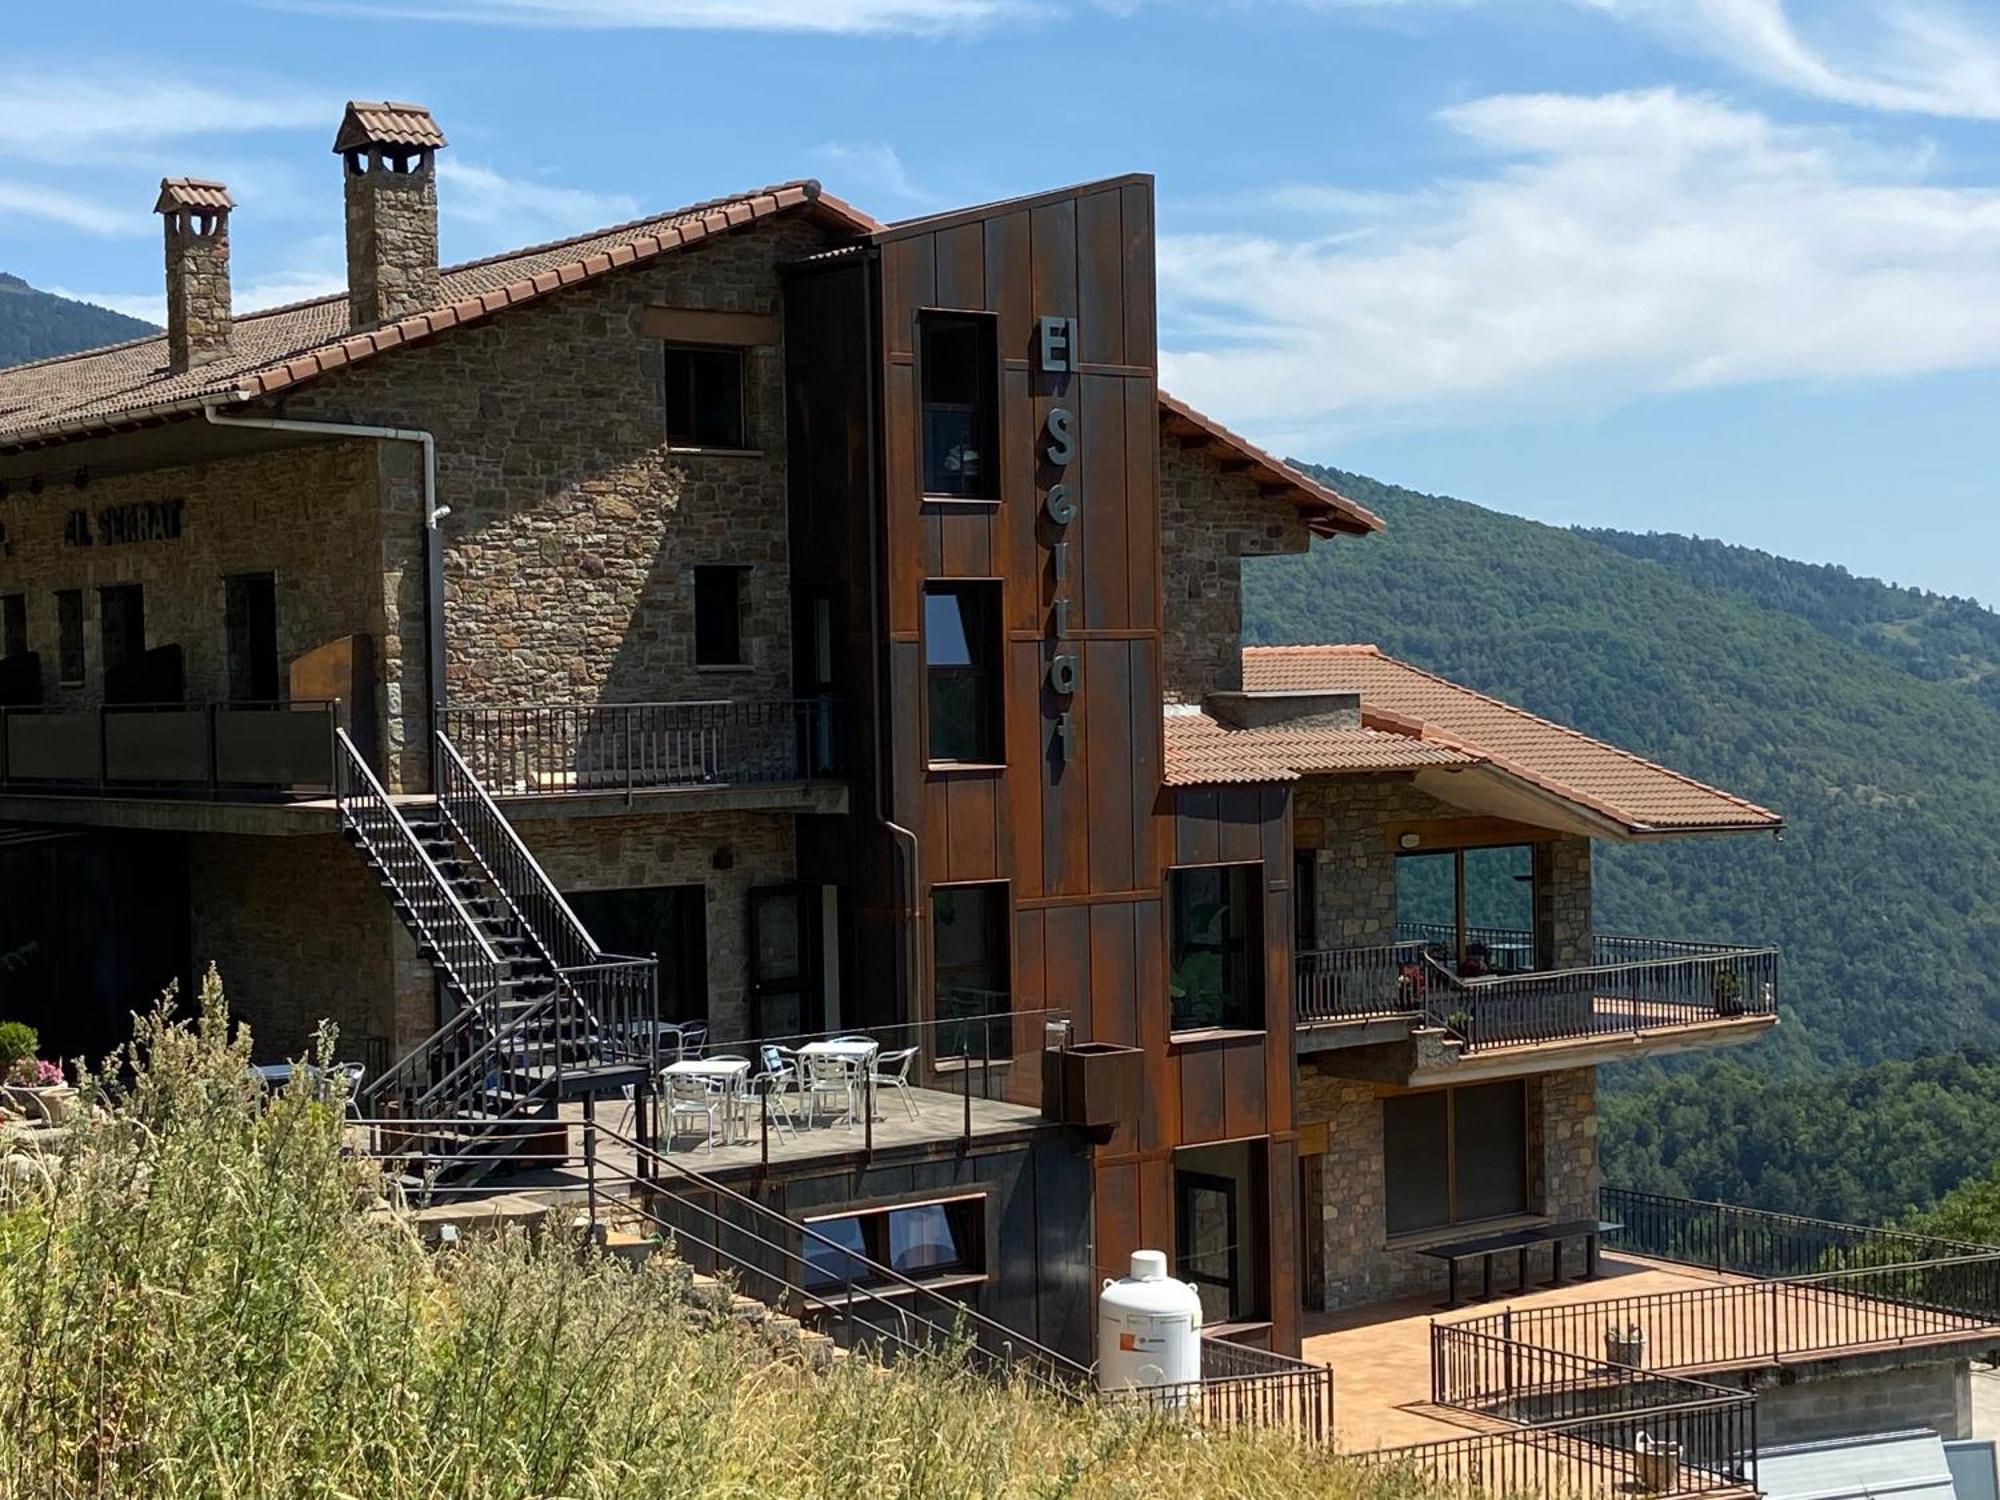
x: 433, y: 553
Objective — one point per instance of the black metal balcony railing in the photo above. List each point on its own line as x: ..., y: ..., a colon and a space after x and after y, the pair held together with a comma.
x: 1246, y: 1387
x: 172, y: 749
x: 557, y: 749
x: 1358, y: 984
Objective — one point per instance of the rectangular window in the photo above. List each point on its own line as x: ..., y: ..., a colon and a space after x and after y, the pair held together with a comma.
x: 923, y: 1241
x: 1217, y: 978
x: 1305, y: 900
x: 250, y: 622
x: 705, y: 397
x: 13, y: 624
x: 719, y: 593
x: 69, y: 637
x: 122, y: 622
x: 1455, y: 1156
x: 1206, y: 1244
x: 958, y: 360
x: 969, y: 953
x: 1473, y: 907
x: 962, y: 670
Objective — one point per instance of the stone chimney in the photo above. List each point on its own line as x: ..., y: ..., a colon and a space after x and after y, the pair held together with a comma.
x: 197, y: 221
x: 390, y: 152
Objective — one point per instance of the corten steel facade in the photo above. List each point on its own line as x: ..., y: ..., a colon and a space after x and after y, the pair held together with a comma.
x: 649, y: 525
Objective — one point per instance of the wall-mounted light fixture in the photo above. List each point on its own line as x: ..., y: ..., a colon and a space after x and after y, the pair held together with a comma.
x: 1408, y: 840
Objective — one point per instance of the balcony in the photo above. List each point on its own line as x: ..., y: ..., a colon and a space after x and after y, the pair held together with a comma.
x: 625, y: 751
x: 1644, y: 994
x: 237, y: 752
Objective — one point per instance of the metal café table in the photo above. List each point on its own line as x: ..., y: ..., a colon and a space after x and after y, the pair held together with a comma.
x: 861, y: 1053
x: 730, y: 1072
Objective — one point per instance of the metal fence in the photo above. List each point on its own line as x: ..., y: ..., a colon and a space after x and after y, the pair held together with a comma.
x: 1757, y: 1242
x: 562, y: 748
x: 1355, y: 984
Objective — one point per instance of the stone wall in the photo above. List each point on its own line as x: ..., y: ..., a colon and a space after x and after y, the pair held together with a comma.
x: 301, y: 933
x: 1360, y: 1266
x: 1829, y: 1402
x: 1209, y: 522
x: 607, y: 854
x: 392, y: 240
x: 574, y: 530
x: 310, y: 516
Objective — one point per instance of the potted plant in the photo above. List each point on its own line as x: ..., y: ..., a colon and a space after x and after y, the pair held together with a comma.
x: 1460, y: 1023
x: 1727, y: 988
x: 1659, y: 1464
x: 36, y: 1087
x: 1625, y: 1347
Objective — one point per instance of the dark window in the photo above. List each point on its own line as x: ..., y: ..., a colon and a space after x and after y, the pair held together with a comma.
x: 1218, y: 971
x: 962, y: 665
x: 969, y: 944
x: 250, y: 611
x: 920, y: 1240
x: 1207, y: 1244
x: 1455, y: 1156
x: 704, y: 397
x: 1305, y: 901
x: 69, y: 636
x: 718, y: 616
x: 122, y: 621
x: 669, y: 920
x: 13, y: 624
x: 958, y: 355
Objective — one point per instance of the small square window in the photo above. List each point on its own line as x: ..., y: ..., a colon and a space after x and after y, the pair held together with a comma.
x: 719, y: 594
x: 958, y: 357
x: 920, y: 1240
x: 69, y: 637
x: 962, y: 671
x: 705, y: 397
x: 13, y: 624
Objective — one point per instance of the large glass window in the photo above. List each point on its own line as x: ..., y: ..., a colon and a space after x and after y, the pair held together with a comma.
x: 1205, y: 1249
x: 1474, y: 907
x: 704, y: 397
x: 1455, y: 1156
x: 962, y: 671
x: 923, y: 1241
x: 69, y: 637
x: 958, y: 357
x: 969, y: 966
x: 718, y: 615
x: 1217, y: 978
x: 250, y: 611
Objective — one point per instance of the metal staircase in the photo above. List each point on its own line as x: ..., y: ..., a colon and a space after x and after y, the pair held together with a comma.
x: 536, y: 1013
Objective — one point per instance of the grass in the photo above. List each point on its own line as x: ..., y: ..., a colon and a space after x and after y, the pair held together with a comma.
x: 201, y: 1297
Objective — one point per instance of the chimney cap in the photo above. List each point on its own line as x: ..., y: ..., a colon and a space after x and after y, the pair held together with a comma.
x: 386, y: 123
x: 199, y: 194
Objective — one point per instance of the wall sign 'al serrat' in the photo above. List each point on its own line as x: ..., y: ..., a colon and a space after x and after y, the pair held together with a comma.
x: 1056, y: 345
x: 139, y: 521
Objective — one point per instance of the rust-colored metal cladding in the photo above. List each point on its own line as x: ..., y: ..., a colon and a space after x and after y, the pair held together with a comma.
x: 192, y: 194
x: 387, y: 123
x: 1615, y: 783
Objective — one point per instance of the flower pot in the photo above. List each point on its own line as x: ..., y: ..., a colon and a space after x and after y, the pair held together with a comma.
x: 1092, y: 1084
x: 1625, y: 1347
x: 50, y: 1103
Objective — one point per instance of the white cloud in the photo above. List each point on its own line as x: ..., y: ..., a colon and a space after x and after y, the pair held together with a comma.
x: 1920, y: 56
x: 834, y: 16
x: 50, y: 115
x: 1620, y: 244
x: 860, y: 171
x: 523, y: 208
x: 36, y: 202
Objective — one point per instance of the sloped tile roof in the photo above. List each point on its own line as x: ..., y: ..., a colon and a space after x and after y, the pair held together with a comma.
x: 387, y: 123
x: 271, y: 351
x: 1615, y: 783
x: 191, y: 192
x: 1203, y: 751
x: 1327, y: 511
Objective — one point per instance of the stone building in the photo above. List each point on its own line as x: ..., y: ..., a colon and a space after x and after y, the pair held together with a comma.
x: 761, y: 620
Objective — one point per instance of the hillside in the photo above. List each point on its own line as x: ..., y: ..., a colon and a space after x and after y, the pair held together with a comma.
x: 1882, y: 891
x: 37, y: 325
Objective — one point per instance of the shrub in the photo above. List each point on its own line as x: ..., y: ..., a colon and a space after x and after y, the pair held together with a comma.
x: 17, y: 1041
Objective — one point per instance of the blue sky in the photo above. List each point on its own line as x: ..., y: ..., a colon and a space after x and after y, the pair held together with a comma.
x: 1722, y: 266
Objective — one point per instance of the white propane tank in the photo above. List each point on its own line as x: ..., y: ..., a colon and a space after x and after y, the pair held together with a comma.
x: 1148, y: 1329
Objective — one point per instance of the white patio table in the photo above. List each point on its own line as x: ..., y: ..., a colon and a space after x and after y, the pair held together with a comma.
x: 730, y: 1072
x: 860, y: 1053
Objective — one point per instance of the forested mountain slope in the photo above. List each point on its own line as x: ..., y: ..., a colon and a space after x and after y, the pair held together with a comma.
x: 1883, y: 891
x: 1934, y: 636
x: 38, y: 325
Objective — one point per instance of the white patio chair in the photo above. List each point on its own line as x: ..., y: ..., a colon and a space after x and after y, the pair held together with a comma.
x: 832, y: 1078
x: 777, y: 1077
x: 695, y: 1099
x: 892, y: 1071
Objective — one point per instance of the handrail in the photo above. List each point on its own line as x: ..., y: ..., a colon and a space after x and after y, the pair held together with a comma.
x: 1760, y: 1242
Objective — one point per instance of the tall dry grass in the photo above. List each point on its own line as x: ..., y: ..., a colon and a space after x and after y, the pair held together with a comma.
x: 200, y: 1296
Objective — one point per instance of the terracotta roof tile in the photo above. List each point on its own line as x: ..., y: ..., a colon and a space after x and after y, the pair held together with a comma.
x: 1328, y: 511
x: 269, y: 351
x: 192, y: 192
x: 387, y: 123
x: 1203, y: 751
x: 1615, y: 783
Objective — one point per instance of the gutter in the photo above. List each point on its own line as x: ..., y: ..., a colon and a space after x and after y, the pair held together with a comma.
x: 433, y: 550
x: 121, y: 420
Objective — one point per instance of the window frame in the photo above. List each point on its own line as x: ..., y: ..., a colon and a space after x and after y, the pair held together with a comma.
x: 1453, y: 1221
x: 1239, y: 1294
x: 741, y: 572
x: 974, y: 1266
x: 128, y: 650
x: 988, y: 420
x: 14, y: 625
x: 72, y: 639
x: 1000, y: 1046
x: 687, y: 443
x: 1256, y: 1018
x: 231, y: 584
x: 994, y: 739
